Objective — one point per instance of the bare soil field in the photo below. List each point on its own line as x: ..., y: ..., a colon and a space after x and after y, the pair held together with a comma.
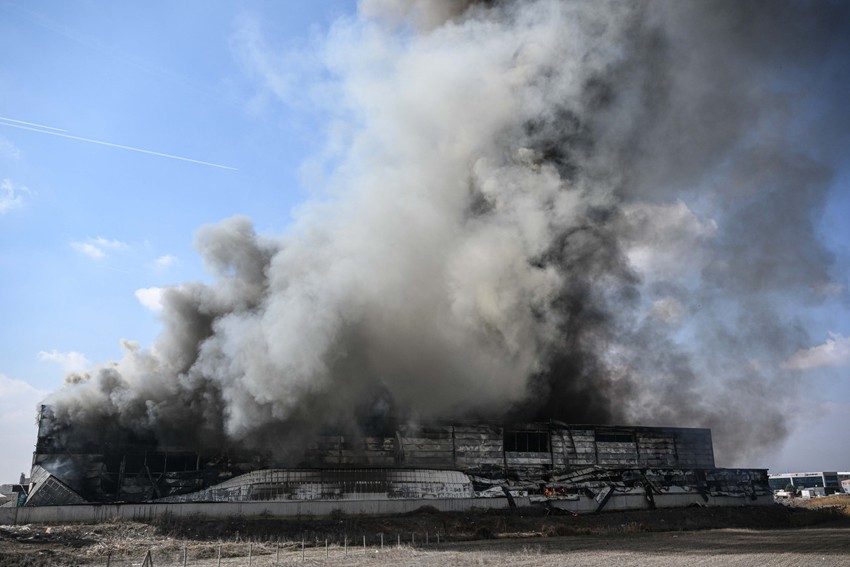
x: 815, y: 532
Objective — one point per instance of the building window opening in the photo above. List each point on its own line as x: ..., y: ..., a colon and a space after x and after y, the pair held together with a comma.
x: 615, y: 438
x: 527, y: 441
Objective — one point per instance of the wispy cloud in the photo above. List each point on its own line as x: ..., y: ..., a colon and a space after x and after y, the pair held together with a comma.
x: 71, y: 361
x: 88, y: 249
x: 98, y: 247
x: 165, y: 261
x: 280, y: 71
x: 834, y: 352
x: 11, y: 196
x: 8, y: 149
x: 150, y: 297
x: 257, y: 57
x: 830, y: 289
x: 109, y: 244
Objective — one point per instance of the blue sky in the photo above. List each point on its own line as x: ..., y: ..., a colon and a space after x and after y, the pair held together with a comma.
x: 86, y: 227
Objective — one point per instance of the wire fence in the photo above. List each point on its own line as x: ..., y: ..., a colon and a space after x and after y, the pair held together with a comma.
x: 271, y: 553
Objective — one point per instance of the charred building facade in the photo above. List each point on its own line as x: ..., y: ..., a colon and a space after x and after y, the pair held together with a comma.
x: 551, y: 460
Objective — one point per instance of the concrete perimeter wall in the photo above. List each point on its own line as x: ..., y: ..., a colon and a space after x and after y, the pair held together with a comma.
x: 93, y: 513
x: 637, y: 501
x: 292, y: 509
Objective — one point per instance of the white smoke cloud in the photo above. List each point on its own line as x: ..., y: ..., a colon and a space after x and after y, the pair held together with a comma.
x: 150, y: 297
x: 668, y: 309
x: 425, y: 14
x: 71, y: 361
x: 666, y: 240
x: 835, y: 352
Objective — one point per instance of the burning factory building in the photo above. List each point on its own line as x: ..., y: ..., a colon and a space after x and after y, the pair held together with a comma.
x: 579, y: 467
x: 537, y: 214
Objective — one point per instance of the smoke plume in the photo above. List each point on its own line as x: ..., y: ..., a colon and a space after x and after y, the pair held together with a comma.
x: 592, y: 211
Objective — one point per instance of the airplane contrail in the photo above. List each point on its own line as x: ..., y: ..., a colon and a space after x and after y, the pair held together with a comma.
x: 59, y: 132
x: 31, y: 124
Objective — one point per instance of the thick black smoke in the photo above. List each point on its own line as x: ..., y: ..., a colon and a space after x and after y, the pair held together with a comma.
x: 589, y: 211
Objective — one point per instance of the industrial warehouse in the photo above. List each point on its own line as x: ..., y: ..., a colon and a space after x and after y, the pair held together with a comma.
x: 579, y: 468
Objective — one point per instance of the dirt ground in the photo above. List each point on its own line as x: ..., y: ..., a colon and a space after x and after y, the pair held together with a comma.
x: 792, y: 533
